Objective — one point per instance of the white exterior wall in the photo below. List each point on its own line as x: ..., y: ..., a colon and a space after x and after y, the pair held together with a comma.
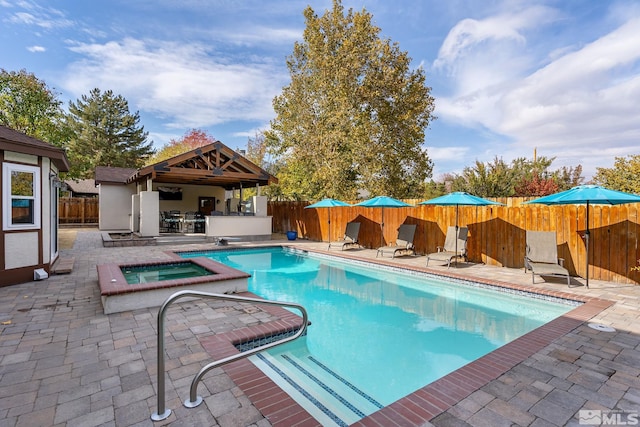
x: 10, y: 156
x: 149, y: 214
x: 134, y: 225
x: 21, y: 249
x: 243, y: 227
x: 115, y: 206
x: 260, y: 205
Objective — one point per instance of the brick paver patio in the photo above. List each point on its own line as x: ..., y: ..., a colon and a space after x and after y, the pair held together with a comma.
x: 65, y: 363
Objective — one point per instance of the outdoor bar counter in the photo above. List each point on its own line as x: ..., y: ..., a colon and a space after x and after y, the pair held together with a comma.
x: 240, y: 227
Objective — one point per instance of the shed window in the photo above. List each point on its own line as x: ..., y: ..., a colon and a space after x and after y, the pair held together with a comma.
x: 21, y: 192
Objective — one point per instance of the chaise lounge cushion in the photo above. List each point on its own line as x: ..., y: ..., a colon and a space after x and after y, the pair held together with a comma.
x: 350, y: 239
x: 451, y: 250
x: 541, y: 256
x: 403, y: 244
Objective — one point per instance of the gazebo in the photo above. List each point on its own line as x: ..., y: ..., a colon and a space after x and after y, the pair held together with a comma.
x: 208, y: 180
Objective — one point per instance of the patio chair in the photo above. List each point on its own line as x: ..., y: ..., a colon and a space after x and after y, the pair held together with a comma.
x: 350, y: 238
x: 541, y: 256
x: 451, y: 250
x: 168, y: 222
x: 403, y: 244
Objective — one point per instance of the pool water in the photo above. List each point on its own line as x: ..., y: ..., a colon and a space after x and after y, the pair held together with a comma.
x: 156, y: 273
x: 376, y: 334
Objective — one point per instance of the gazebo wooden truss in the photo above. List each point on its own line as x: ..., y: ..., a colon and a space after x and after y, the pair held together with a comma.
x: 213, y: 164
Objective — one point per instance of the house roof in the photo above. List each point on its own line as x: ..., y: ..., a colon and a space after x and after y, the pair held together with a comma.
x: 113, y: 175
x: 84, y: 186
x: 212, y: 164
x: 12, y: 140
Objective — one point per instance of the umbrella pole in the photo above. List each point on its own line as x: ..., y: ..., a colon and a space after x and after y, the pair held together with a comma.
x: 382, y: 229
x: 456, y: 236
x: 586, y: 242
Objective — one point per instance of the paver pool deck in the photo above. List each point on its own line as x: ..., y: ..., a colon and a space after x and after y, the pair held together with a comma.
x: 65, y: 363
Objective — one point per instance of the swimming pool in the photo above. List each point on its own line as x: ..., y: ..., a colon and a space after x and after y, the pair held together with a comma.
x: 377, y: 335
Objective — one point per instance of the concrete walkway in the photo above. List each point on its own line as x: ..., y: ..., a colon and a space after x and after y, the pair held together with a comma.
x: 64, y: 363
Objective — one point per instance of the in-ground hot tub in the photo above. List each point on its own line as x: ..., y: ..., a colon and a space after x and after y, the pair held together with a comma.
x: 125, y: 287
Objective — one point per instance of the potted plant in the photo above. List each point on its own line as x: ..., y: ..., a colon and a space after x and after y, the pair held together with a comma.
x: 292, y: 235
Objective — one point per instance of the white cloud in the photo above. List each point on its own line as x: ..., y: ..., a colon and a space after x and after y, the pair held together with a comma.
x: 570, y: 101
x: 443, y: 154
x: 36, y: 49
x: 33, y: 14
x: 188, y: 85
x: 262, y: 35
x: 471, y: 33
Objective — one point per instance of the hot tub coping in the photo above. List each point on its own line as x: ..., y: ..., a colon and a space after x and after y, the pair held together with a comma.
x: 117, y: 295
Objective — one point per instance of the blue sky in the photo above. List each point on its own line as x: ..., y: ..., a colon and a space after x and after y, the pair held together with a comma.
x: 509, y: 77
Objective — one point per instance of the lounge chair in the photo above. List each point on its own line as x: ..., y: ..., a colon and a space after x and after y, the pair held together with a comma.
x: 541, y: 256
x: 451, y: 250
x: 350, y: 238
x: 403, y: 244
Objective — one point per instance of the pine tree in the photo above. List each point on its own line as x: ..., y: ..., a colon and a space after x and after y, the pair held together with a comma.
x: 105, y: 133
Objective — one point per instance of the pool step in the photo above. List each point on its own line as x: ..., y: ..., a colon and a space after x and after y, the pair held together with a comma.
x: 327, y: 396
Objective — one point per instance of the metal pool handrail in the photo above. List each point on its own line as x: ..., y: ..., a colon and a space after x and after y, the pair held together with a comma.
x: 195, y: 400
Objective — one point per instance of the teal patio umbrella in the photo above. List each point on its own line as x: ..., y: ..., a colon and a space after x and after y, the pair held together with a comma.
x: 458, y: 198
x: 327, y: 203
x: 586, y: 195
x: 383, y: 202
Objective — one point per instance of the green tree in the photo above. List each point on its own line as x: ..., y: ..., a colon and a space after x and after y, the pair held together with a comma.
x: 192, y: 139
x: 354, y: 115
x: 257, y: 150
x: 523, y: 177
x: 623, y: 176
x: 435, y: 189
x: 28, y: 105
x: 105, y: 133
x: 568, y: 177
x: 496, y: 179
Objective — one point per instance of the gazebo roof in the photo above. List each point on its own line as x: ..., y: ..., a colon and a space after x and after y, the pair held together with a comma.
x: 212, y: 164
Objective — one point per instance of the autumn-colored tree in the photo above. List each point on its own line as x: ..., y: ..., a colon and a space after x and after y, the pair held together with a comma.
x: 192, y: 139
x: 623, y: 176
x: 354, y: 115
x: 29, y: 106
x: 536, y: 187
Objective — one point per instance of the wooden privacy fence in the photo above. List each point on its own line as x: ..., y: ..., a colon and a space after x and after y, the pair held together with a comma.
x: 78, y: 210
x: 496, y: 233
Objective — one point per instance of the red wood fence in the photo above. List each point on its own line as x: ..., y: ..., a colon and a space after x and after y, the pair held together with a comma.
x: 496, y: 233
x: 78, y: 210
